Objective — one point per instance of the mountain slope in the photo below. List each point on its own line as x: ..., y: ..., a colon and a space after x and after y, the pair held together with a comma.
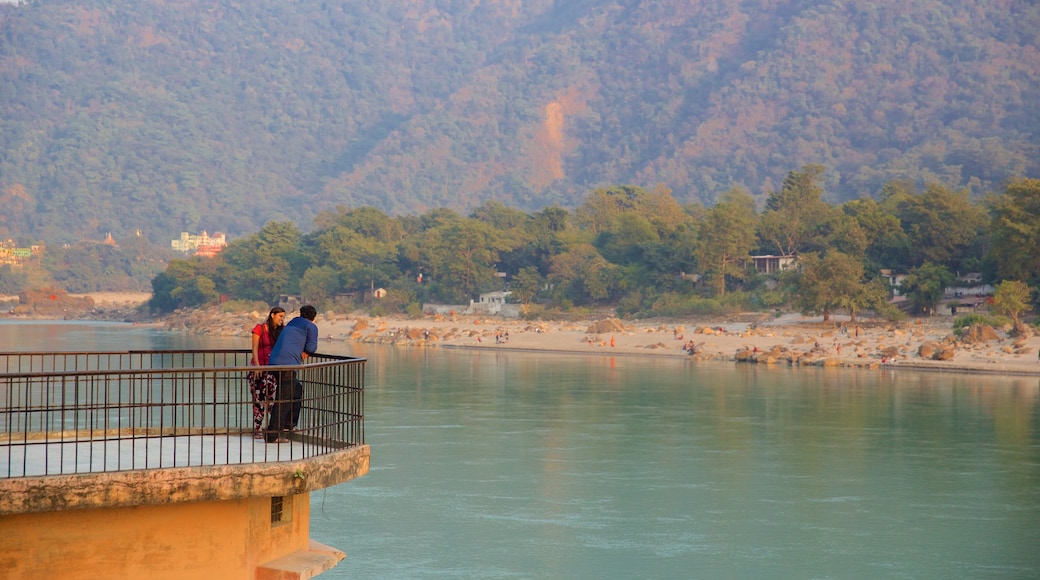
x: 224, y: 115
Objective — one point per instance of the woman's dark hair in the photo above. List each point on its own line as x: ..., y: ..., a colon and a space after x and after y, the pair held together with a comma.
x: 271, y: 328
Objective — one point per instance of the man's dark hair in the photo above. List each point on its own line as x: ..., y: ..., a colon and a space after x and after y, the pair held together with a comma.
x: 308, y: 312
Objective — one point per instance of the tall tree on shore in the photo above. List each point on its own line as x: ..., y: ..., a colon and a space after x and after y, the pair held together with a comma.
x: 925, y: 286
x: 1015, y: 231
x: 824, y: 284
x: 942, y: 225
x: 795, y: 216
x: 1012, y: 297
x: 726, y: 238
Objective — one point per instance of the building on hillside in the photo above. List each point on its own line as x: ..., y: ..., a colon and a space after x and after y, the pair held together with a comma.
x: 201, y: 245
x: 894, y: 280
x: 494, y: 303
x: 489, y: 303
x: 13, y: 255
x: 773, y: 264
x: 969, y: 285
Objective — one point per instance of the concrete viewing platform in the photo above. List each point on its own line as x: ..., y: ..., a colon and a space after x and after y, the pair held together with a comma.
x: 144, y: 464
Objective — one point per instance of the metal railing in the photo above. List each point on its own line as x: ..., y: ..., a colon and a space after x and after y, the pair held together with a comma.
x: 90, y: 412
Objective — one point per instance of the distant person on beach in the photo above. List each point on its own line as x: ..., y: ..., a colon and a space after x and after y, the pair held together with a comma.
x: 263, y: 386
x: 297, y: 342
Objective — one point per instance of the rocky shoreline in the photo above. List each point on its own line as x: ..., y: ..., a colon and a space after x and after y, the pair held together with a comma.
x: 753, y: 338
x: 791, y: 340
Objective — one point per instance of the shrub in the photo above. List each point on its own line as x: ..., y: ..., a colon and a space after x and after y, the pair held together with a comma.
x: 968, y: 320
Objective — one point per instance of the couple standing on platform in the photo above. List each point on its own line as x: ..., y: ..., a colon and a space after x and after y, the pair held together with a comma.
x: 274, y: 344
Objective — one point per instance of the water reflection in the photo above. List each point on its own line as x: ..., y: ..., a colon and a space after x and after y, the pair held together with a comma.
x: 493, y: 464
x: 79, y: 336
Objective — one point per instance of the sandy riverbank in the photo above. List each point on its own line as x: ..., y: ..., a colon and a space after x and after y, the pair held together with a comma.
x: 102, y: 298
x: 759, y: 339
x: 752, y: 338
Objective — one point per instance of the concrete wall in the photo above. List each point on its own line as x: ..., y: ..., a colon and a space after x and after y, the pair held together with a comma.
x: 192, y: 522
x: 226, y: 540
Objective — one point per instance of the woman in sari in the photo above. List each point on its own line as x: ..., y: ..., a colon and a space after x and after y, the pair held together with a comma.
x: 262, y: 385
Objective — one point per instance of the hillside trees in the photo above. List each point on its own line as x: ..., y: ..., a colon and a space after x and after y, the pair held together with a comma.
x: 942, y: 226
x: 626, y: 244
x: 582, y: 276
x: 188, y: 116
x: 887, y: 246
x: 355, y: 249
x: 185, y: 283
x: 825, y: 284
x: 795, y: 216
x: 90, y: 266
x: 462, y: 256
x: 1015, y: 232
x: 925, y: 285
x: 1012, y: 297
x: 726, y: 238
x: 264, y: 265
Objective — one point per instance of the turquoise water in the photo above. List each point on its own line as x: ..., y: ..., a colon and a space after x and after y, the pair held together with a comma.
x: 519, y: 465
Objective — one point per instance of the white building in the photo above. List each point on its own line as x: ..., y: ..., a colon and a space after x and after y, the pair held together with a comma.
x: 192, y: 243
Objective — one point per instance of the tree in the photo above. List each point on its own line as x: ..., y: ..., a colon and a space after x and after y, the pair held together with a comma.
x: 581, y: 275
x: 1012, y: 297
x: 602, y: 206
x: 823, y: 285
x: 726, y: 238
x: 623, y: 241
x: 184, y: 283
x: 526, y: 284
x: 12, y: 281
x: 943, y: 226
x: 887, y: 246
x: 319, y: 284
x: 925, y: 286
x: 264, y: 265
x: 1015, y: 231
x: 867, y: 295
x: 795, y: 216
x: 462, y: 255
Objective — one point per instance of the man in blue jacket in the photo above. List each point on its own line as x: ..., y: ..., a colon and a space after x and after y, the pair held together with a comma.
x: 297, y: 341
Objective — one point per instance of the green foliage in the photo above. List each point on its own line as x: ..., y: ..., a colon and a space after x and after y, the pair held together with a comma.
x: 962, y: 323
x: 264, y: 265
x: 796, y: 216
x: 822, y: 285
x: 726, y: 237
x: 392, y: 303
x: 413, y: 310
x: 1012, y: 298
x: 319, y: 285
x: 942, y: 226
x: 184, y: 284
x: 357, y: 250
x: 676, y: 305
x: 1015, y: 231
x: 12, y: 281
x: 925, y: 286
x: 527, y: 284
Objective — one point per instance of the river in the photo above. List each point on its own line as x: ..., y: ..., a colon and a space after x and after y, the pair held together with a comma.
x: 520, y: 465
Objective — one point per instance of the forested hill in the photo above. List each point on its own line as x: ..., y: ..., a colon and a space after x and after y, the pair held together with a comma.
x: 223, y: 114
